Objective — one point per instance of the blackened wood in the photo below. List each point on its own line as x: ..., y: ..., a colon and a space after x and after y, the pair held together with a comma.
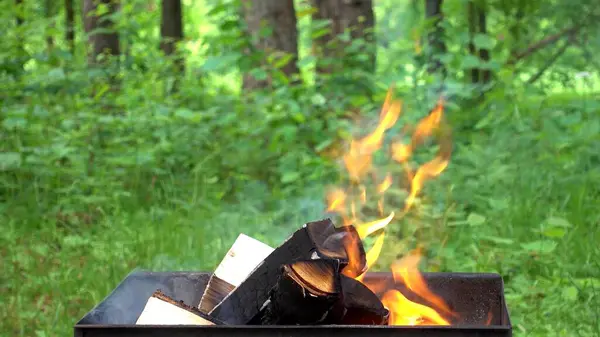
x: 345, y: 245
x: 362, y: 306
x: 305, y: 294
x: 246, y: 301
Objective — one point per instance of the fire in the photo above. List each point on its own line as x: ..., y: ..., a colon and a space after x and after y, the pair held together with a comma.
x: 348, y: 204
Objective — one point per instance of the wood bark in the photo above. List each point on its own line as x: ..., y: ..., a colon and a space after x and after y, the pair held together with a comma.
x: 354, y: 15
x: 171, y: 26
x: 472, y: 19
x: 171, y: 33
x: 50, y: 11
x: 105, y: 41
x: 243, y: 304
x: 280, y: 18
x: 484, y: 54
x: 20, y: 43
x: 70, y: 25
x: 435, y: 38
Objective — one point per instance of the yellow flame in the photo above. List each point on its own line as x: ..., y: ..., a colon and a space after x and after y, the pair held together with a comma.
x: 368, y: 228
x: 373, y: 254
x: 385, y: 184
x: 405, y: 312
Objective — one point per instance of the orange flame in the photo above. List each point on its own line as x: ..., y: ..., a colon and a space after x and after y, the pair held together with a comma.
x: 359, y: 159
x: 358, y: 162
x: 405, y: 271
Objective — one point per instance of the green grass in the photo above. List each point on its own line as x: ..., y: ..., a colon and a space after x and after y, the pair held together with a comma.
x: 520, y: 199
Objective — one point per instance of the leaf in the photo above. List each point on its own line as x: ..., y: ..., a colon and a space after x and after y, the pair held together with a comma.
x: 323, y: 145
x: 289, y: 177
x: 305, y: 61
x: 540, y: 246
x: 475, y: 219
x: 14, y: 123
x: 483, y: 41
x: 9, y: 160
x: 282, y: 61
x: 498, y: 240
x: 557, y: 222
x: 305, y: 12
x: 570, y: 293
x: 219, y: 62
x: 259, y: 74
x: 469, y: 62
x: 555, y: 232
x: 185, y: 113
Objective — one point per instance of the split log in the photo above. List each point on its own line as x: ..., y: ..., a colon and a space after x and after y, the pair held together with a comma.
x: 346, y: 246
x: 305, y: 294
x: 362, y: 306
x: 163, y: 310
x: 244, y: 255
x: 244, y: 303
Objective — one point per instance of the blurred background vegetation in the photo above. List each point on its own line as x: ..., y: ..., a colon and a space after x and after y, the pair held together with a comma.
x: 148, y: 134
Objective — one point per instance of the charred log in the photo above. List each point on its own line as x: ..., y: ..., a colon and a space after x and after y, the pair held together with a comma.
x: 306, y: 293
x: 244, y: 303
x: 362, y: 306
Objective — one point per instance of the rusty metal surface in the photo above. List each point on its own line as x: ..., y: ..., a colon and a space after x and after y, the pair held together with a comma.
x: 473, y: 296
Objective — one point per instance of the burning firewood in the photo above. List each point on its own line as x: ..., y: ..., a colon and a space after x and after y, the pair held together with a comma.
x: 346, y: 246
x: 163, y: 310
x: 362, y: 306
x: 319, y: 239
x: 306, y: 293
x: 241, y: 259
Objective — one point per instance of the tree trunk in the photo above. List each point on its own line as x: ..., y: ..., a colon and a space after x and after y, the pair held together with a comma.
x: 21, y: 55
x: 106, y: 41
x: 280, y: 17
x: 435, y: 38
x: 171, y: 33
x: 70, y: 25
x: 484, y: 54
x: 472, y: 19
x: 354, y: 15
x: 50, y: 11
x: 171, y: 26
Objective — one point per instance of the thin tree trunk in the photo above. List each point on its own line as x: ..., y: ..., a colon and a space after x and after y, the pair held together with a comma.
x: 435, y: 38
x: 484, y: 54
x: 50, y: 16
x: 107, y: 41
x: 171, y: 32
x: 171, y: 26
x: 20, y: 43
x: 354, y: 15
x: 70, y: 25
x: 280, y: 17
x: 472, y: 19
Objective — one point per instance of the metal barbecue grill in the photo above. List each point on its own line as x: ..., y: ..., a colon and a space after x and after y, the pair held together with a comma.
x: 477, y: 298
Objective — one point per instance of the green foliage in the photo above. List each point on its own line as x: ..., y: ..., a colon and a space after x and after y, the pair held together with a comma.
x: 97, y: 181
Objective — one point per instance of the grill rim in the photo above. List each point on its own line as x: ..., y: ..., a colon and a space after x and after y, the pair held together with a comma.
x: 504, y: 329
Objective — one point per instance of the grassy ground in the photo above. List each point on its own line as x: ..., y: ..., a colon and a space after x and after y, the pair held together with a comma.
x: 520, y: 198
